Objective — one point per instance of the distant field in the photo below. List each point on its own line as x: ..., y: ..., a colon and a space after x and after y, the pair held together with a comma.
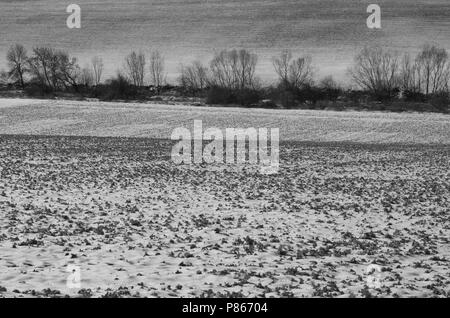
x: 73, y: 118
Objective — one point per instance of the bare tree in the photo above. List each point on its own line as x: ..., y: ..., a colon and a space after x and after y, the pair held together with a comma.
x: 433, y: 67
x: 293, y: 73
x: 135, y: 68
x: 428, y: 73
x: 223, y: 67
x: 281, y: 65
x: 246, y: 69
x: 68, y: 70
x: 376, y: 70
x: 234, y: 69
x: 17, y: 63
x: 409, y: 74
x: 87, y: 77
x: 4, y: 77
x: 194, y: 77
x: 97, y: 68
x: 157, y: 69
x: 300, y: 72
x: 42, y: 66
x: 54, y: 69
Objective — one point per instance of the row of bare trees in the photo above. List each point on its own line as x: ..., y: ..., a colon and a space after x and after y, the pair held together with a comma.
x: 375, y: 69
x: 378, y: 71
x: 194, y: 77
x: 428, y: 73
x: 293, y: 73
x: 229, y: 69
x: 55, y: 69
x: 135, y: 68
x: 236, y: 69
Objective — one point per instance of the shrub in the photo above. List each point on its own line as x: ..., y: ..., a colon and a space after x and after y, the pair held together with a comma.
x: 116, y: 88
x: 224, y: 96
x: 281, y: 95
x: 440, y: 101
x: 385, y: 95
x: 219, y: 95
x: 331, y: 94
x: 38, y: 90
x: 411, y: 96
x: 308, y: 94
x: 247, y: 97
x: 356, y: 97
x: 286, y: 98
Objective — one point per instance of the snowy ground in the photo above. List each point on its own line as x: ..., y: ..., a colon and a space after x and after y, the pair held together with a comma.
x: 136, y: 224
x: 74, y: 118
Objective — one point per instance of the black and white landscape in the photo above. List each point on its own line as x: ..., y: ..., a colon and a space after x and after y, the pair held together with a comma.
x: 93, y: 204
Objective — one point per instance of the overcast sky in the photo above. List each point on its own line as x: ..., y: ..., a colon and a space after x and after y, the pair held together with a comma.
x: 331, y: 31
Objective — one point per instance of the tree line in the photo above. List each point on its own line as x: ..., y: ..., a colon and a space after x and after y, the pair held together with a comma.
x: 230, y: 77
x: 384, y: 72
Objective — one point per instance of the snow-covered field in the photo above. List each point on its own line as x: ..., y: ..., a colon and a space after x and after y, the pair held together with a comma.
x: 136, y: 224
x: 74, y: 118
